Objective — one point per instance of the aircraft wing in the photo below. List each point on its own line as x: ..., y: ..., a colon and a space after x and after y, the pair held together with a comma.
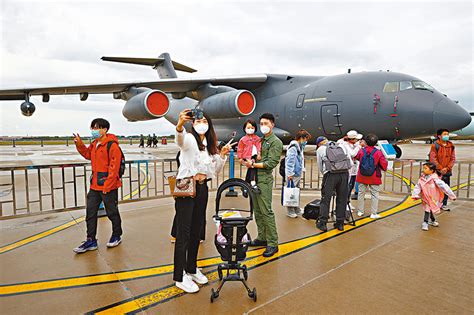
x: 165, y: 85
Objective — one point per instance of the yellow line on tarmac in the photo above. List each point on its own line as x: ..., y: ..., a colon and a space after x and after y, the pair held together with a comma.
x: 64, y: 226
x: 253, y: 258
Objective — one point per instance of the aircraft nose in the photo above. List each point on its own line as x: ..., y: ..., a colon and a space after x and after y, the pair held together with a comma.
x: 447, y: 114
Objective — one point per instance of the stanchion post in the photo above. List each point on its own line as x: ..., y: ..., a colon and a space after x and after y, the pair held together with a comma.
x: 231, y: 192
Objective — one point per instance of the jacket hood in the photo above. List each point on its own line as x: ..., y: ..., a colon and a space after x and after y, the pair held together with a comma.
x: 109, y: 138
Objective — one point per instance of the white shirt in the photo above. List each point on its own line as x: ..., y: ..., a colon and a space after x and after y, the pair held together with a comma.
x: 194, y: 161
x: 352, y: 150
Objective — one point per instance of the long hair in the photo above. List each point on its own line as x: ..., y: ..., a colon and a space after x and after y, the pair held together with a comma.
x: 210, y: 135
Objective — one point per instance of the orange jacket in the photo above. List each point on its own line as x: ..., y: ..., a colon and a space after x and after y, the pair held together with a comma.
x: 105, y: 165
x: 445, y: 157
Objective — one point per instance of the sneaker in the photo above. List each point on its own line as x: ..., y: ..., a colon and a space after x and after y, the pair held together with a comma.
x: 114, y: 241
x: 255, y: 189
x: 198, y: 277
x: 299, y: 211
x: 187, y: 285
x: 434, y: 223
x: 322, y: 226
x: 89, y: 244
x: 292, y: 214
x: 424, y: 226
x: 360, y: 213
x: 445, y: 208
x: 375, y: 216
x: 270, y: 251
x: 173, y: 239
x: 339, y: 226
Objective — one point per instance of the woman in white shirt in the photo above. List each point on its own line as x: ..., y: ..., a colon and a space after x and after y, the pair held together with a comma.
x: 201, y: 159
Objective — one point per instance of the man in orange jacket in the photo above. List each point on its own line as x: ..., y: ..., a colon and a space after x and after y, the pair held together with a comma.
x: 442, y: 155
x: 105, y: 156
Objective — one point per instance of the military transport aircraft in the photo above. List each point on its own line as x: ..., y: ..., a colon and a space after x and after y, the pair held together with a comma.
x: 394, y: 106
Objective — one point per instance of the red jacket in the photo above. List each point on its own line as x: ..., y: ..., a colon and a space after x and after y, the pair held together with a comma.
x: 380, y: 164
x: 444, y: 157
x: 105, y: 165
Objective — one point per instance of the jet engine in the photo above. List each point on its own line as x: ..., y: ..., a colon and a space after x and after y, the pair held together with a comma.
x: 146, y: 105
x: 27, y: 108
x: 229, y: 104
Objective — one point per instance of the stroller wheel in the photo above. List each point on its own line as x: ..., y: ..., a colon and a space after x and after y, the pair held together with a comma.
x: 253, y: 294
x: 214, y: 295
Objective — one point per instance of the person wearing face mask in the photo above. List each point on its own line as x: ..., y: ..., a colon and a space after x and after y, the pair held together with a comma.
x: 199, y: 158
x: 294, y: 165
x: 272, y: 147
x: 249, y: 148
x: 442, y: 154
x: 105, y: 156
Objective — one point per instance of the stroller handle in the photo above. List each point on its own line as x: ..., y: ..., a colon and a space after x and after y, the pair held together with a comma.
x: 232, y: 182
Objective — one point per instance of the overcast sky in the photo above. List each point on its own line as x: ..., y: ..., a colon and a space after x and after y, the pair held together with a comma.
x: 60, y: 43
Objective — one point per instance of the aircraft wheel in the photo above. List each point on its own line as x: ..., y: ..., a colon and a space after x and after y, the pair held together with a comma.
x: 398, y: 150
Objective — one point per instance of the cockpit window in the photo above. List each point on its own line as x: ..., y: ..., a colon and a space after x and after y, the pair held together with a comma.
x: 405, y: 85
x: 390, y: 87
x: 420, y: 85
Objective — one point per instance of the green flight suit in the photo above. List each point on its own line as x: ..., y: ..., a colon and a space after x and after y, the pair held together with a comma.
x: 272, y: 147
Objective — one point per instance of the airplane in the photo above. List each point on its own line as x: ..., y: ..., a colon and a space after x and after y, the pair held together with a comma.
x: 394, y: 106
x: 466, y: 133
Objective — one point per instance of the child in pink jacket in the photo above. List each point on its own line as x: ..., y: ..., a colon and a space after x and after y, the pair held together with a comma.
x: 431, y: 189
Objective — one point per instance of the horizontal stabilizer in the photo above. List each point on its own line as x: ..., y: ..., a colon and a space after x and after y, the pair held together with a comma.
x: 152, y: 62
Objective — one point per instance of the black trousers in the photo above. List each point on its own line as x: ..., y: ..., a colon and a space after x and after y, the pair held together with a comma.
x: 251, y: 175
x: 189, y: 224
x: 429, y: 215
x: 94, y: 198
x: 203, y: 231
x: 352, y: 181
x: 334, y: 182
x: 447, y: 180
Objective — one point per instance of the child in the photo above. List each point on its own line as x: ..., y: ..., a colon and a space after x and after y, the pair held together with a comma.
x: 249, y: 149
x: 431, y: 189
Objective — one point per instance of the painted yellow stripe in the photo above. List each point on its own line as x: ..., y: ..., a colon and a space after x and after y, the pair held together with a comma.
x: 64, y: 226
x: 160, y: 270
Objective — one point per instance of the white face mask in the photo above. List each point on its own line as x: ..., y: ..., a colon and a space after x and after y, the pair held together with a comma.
x: 264, y: 129
x: 250, y: 131
x: 201, y: 128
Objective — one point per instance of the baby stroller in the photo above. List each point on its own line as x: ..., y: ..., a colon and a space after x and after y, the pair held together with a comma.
x: 232, y: 240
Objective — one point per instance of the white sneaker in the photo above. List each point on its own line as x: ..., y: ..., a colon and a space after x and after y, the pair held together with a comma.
x: 424, y: 226
x: 360, y: 213
x: 198, y: 277
x: 292, y: 215
x: 299, y: 211
x: 445, y: 208
x: 433, y: 223
x: 187, y: 285
x: 375, y: 216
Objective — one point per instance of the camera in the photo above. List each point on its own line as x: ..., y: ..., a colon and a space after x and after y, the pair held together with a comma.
x: 196, y: 113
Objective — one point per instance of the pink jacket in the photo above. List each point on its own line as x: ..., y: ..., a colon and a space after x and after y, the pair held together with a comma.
x: 244, y: 149
x: 432, y: 190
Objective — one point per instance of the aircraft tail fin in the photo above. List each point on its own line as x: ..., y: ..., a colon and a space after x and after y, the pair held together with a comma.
x: 163, y: 64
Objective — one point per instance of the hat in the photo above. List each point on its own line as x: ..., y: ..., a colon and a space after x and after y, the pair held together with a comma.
x: 320, y: 139
x: 352, y: 134
x: 359, y: 136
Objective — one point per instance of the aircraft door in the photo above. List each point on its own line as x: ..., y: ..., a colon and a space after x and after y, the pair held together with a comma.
x: 330, y: 119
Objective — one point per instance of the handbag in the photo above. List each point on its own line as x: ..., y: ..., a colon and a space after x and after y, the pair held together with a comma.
x: 291, y: 195
x: 183, y: 187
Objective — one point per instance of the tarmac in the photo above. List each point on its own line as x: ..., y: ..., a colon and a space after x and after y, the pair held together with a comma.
x: 387, y: 265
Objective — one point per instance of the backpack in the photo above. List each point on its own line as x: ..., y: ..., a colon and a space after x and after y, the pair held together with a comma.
x: 367, y: 163
x: 337, y: 160
x: 122, y: 160
x: 282, y: 169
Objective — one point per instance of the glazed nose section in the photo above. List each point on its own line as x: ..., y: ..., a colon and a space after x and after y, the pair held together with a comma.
x: 447, y: 114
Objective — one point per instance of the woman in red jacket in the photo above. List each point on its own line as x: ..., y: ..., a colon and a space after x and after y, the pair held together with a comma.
x: 369, y: 176
x: 105, y: 156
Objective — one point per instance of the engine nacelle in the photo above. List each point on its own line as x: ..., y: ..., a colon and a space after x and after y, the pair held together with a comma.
x: 147, y: 105
x: 229, y: 104
x: 27, y: 108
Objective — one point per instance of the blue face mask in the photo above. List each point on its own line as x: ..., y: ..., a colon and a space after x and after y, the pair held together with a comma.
x: 95, y: 134
x: 445, y: 138
x: 303, y: 144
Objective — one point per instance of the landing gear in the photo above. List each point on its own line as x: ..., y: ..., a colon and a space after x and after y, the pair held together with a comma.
x: 398, y: 150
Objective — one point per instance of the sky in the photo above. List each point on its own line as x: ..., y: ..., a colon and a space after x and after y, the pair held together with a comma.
x: 45, y: 43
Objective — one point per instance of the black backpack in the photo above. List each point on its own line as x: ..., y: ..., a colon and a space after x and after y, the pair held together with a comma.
x: 122, y: 160
x: 282, y: 170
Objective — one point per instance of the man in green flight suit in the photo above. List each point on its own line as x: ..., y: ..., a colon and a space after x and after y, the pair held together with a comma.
x: 272, y: 148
